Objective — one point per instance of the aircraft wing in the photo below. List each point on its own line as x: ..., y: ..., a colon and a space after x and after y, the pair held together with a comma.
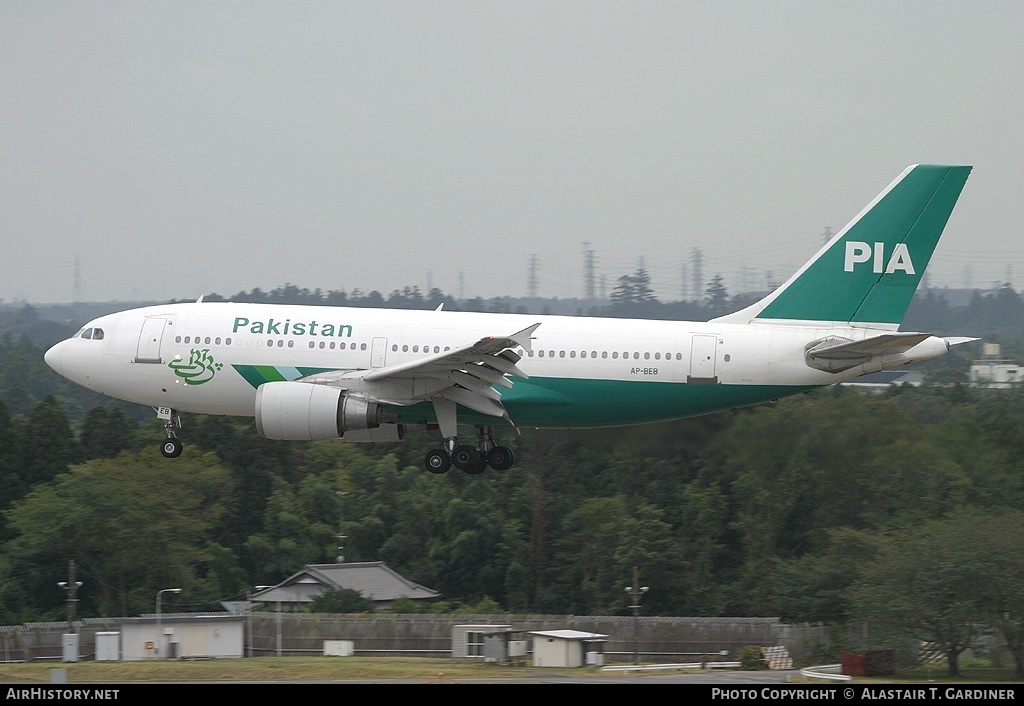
x: 466, y: 375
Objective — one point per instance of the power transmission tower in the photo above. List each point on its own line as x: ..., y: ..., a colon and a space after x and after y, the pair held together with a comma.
x: 531, y: 276
x: 698, y: 264
x: 588, y: 272
x: 76, y: 285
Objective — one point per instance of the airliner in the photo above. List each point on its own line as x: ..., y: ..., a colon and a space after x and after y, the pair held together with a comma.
x: 373, y: 375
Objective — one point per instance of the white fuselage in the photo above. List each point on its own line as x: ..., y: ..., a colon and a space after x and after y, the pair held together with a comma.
x: 212, y: 357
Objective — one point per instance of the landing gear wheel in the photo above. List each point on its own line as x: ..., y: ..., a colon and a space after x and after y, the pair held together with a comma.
x: 480, y: 467
x: 466, y: 458
x: 500, y: 458
x: 437, y: 461
x: 171, y: 447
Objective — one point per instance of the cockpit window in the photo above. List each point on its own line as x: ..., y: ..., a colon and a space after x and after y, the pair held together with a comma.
x: 95, y: 334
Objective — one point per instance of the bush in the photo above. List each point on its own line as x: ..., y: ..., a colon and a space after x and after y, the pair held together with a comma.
x: 752, y: 658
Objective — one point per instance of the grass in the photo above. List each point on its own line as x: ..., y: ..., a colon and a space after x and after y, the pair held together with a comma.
x: 266, y: 668
x: 412, y: 669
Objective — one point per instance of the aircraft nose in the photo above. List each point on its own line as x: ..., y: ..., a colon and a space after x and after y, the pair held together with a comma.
x: 55, y: 358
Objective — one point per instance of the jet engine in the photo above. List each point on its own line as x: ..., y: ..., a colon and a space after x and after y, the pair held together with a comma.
x: 304, y: 411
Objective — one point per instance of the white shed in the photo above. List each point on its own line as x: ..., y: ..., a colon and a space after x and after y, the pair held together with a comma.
x: 181, y: 636
x: 468, y: 640
x: 564, y: 648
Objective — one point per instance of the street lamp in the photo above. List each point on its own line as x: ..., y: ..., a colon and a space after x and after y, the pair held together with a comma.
x: 159, y: 634
x: 340, y: 494
x: 636, y: 593
x: 264, y: 588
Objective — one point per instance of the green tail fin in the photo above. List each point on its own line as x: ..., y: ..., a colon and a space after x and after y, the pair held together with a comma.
x: 869, y: 271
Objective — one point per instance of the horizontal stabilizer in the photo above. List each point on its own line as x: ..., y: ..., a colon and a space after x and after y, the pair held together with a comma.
x: 835, y: 354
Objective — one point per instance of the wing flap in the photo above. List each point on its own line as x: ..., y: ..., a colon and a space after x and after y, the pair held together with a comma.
x: 466, y: 375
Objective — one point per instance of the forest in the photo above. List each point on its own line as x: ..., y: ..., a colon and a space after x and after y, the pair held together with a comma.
x: 902, y: 509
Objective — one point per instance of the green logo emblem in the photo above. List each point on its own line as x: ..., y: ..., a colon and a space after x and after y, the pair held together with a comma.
x: 200, y: 368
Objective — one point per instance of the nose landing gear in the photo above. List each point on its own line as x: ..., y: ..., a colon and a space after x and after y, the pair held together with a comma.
x: 170, y: 447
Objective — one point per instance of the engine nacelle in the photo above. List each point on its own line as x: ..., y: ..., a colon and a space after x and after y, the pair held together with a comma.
x: 307, y: 412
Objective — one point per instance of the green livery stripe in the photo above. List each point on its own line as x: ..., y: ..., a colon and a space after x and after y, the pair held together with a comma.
x: 568, y: 402
x: 575, y: 402
x: 869, y: 275
x: 256, y: 375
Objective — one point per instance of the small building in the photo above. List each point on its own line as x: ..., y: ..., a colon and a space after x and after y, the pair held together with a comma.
x: 373, y: 580
x: 995, y: 372
x: 468, y: 640
x: 182, y: 636
x: 565, y: 648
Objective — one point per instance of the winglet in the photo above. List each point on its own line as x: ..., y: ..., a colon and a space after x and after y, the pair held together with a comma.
x: 524, y: 338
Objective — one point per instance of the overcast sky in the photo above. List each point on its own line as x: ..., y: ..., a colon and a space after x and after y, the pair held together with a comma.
x: 179, y: 148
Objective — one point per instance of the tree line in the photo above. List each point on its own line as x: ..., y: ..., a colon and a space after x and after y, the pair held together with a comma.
x: 900, y: 511
x: 832, y: 507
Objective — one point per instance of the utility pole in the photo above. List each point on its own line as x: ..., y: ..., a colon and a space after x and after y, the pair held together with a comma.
x: 71, y: 587
x: 635, y: 593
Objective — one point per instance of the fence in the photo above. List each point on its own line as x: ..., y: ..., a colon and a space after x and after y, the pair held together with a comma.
x: 386, y: 634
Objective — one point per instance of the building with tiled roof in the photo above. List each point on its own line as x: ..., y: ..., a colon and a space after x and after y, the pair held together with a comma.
x: 373, y: 580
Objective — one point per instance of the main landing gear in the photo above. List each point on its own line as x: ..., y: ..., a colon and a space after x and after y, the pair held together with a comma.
x: 171, y: 446
x: 470, y: 459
